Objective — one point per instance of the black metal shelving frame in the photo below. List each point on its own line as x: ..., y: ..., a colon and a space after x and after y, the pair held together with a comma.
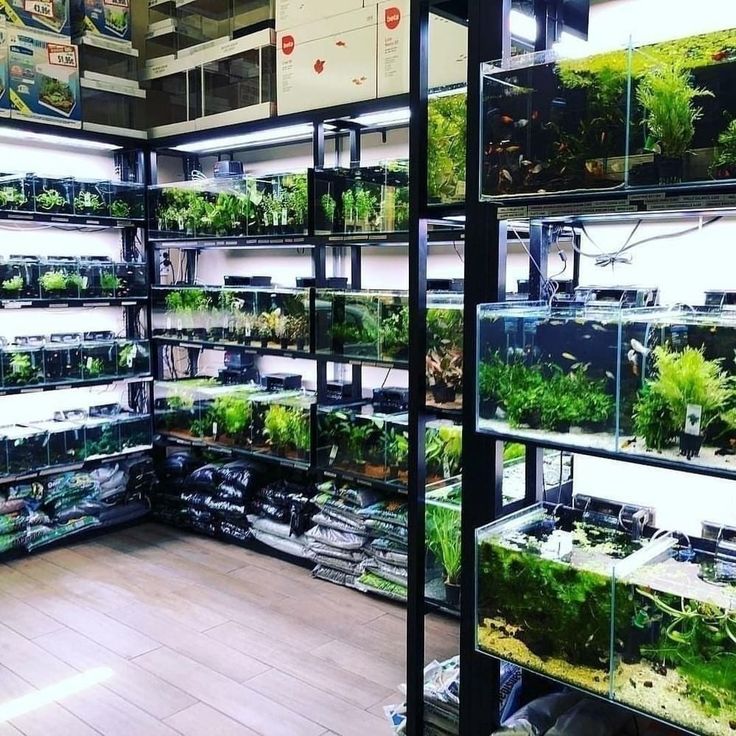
x: 485, y: 272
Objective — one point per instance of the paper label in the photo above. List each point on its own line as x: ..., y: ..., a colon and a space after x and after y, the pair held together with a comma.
x: 693, y: 418
x: 39, y: 7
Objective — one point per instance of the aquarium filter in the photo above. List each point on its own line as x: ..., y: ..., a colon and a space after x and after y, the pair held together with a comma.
x: 629, y: 517
x: 240, y: 367
x: 281, y: 381
x: 228, y: 170
x: 623, y: 296
x: 390, y: 400
x: 338, y: 391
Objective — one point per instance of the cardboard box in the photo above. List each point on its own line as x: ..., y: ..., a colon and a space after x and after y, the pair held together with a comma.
x: 293, y: 13
x: 108, y: 18
x: 448, y: 43
x: 329, y: 62
x: 44, y: 78
x: 43, y: 15
x: 4, y: 99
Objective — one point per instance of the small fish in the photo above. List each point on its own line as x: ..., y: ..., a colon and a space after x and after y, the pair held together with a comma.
x: 633, y: 358
x: 319, y: 66
x: 537, y: 169
x: 599, y: 328
x: 610, y: 375
x: 569, y: 356
x: 340, y: 43
x: 506, y: 175
x: 719, y: 55
x: 512, y: 149
x: 587, y: 337
x: 556, y: 322
x: 535, y: 115
x: 357, y: 82
x: 521, y: 123
x: 636, y: 345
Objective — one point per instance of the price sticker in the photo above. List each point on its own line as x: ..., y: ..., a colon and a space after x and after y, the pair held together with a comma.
x: 60, y: 55
x: 39, y: 7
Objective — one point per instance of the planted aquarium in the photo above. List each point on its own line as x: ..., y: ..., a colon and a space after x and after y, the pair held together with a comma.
x: 446, y: 148
x: 63, y: 358
x: 57, y: 87
x: 131, y: 280
x: 282, y: 424
x: 19, y: 277
x: 362, y: 200
x: 444, y: 450
x: 92, y: 198
x: 676, y: 639
x: 550, y: 125
x: 26, y: 448
x: 363, y: 324
x: 551, y: 374
x: 545, y: 600
x: 445, y: 361
x: 65, y: 441
x: 99, y: 356
x: 52, y: 195
x: 275, y: 318
x: 99, y: 273
x: 23, y: 363
x: 356, y: 439
x: 17, y: 192
x: 61, y: 278
x: 133, y: 357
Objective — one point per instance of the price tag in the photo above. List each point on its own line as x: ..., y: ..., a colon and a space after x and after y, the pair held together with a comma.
x: 61, y: 55
x: 39, y: 7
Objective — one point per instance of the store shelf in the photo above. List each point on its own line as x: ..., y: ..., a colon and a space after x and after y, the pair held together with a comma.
x: 72, y: 303
x: 247, y: 349
x: 69, y: 221
x: 17, y: 390
x: 233, y: 243
x: 363, y: 481
x: 228, y: 450
x: 88, y: 464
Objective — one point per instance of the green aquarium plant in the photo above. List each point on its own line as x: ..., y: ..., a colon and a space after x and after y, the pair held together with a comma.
x: 446, y: 151
x: 120, y: 208
x: 348, y: 208
x: 110, y: 283
x: 394, y: 333
x: 724, y: 161
x: 329, y: 207
x: 54, y: 282
x: 12, y: 198
x: 13, y: 286
x: 667, y: 97
x: 50, y: 200
x: 299, y: 430
x: 89, y: 203
x: 277, y: 424
x: 233, y: 416
x: 21, y: 369
x: 443, y: 540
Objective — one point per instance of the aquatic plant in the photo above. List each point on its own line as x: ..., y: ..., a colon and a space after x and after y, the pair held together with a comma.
x: 329, y: 205
x: 49, y: 199
x: 443, y: 539
x: 14, y: 284
x: 667, y: 96
x: 110, y: 282
x: 446, y: 150
x: 90, y: 202
x: 233, y: 415
x: 120, y: 208
x: 53, y: 281
x: 724, y: 161
x: 654, y: 420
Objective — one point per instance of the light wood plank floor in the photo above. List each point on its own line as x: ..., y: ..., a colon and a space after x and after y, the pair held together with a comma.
x: 153, y: 631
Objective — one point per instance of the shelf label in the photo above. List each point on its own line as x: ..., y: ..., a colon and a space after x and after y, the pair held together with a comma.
x: 513, y: 213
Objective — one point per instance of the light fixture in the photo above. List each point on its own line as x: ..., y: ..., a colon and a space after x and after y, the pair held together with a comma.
x: 56, y: 140
x: 399, y: 116
x: 449, y: 92
x: 284, y: 134
x: 523, y: 27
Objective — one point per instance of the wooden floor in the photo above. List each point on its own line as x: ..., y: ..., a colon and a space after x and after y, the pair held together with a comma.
x: 153, y: 631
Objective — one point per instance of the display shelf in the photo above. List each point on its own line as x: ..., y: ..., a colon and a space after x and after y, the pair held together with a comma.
x: 71, y: 221
x: 72, y: 303
x: 363, y: 481
x: 169, y: 438
x: 222, y: 346
x: 30, y: 389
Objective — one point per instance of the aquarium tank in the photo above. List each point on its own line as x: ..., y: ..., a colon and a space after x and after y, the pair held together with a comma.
x: 445, y: 359
x: 545, y: 582
x: 446, y: 148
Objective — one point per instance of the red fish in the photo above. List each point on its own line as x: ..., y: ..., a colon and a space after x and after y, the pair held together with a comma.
x: 319, y: 66
x: 340, y: 43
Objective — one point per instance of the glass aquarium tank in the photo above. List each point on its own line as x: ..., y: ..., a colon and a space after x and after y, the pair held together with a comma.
x: 370, y: 325
x: 98, y: 273
x: 675, y: 634
x: 26, y: 447
x: 135, y: 431
x: 133, y: 357
x: 354, y: 438
x: 65, y: 440
x: 362, y: 200
x: 19, y: 276
x: 173, y: 94
x: 550, y: 374
x: 282, y: 423
x: 61, y: 278
x: 678, y: 399
x: 23, y: 363
x: 444, y: 450
x: 99, y: 355
x: 545, y: 600
x: 17, y: 192
x: 276, y: 319
x: 446, y: 148
x: 280, y: 204
x: 92, y: 198
x: 442, y: 528
x: 113, y: 106
x: 200, y: 21
x: 554, y: 125
x: 132, y: 280
x: 53, y: 195
x: 445, y: 360
x: 63, y: 357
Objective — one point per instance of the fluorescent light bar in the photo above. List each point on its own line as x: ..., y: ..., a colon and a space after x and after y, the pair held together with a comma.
x: 56, y: 140
x: 380, y: 119
x: 449, y: 92
x: 273, y: 135
x: 523, y: 26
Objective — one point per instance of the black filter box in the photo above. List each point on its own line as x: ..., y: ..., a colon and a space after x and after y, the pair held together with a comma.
x: 338, y: 391
x: 281, y: 381
x: 390, y: 400
x: 445, y: 284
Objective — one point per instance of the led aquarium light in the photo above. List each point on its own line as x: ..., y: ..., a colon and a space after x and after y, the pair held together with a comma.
x: 285, y: 134
x: 14, y: 135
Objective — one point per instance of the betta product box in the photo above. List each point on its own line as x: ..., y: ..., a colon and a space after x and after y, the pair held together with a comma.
x: 4, y: 101
x: 294, y: 13
x: 108, y: 18
x: 448, y: 43
x: 329, y: 62
x: 42, y: 15
x: 43, y: 77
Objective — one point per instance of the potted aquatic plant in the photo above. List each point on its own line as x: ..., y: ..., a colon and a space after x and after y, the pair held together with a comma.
x: 667, y: 96
x: 12, y: 287
x: 724, y: 161
x: 443, y: 540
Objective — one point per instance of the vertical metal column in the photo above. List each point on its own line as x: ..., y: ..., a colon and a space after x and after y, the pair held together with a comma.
x: 418, y: 99
x: 485, y: 280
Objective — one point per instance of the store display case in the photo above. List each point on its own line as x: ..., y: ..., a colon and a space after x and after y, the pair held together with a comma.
x: 545, y: 582
x: 23, y: 363
x: 17, y: 192
x: 114, y: 105
x: 281, y: 422
x: 356, y: 439
x: 446, y: 148
x: 649, y: 381
x: 445, y: 359
x: 26, y: 449
x: 60, y: 278
x: 63, y: 358
x: 92, y: 198
x: 276, y: 318
x: 363, y: 324
x: 19, y: 275
x: 53, y: 195
x: 362, y: 200
x: 99, y: 355
x: 675, y: 639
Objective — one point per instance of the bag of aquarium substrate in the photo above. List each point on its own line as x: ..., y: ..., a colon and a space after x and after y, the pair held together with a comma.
x: 78, y: 484
x: 177, y: 466
x: 31, y: 493
x: 290, y: 546
x: 536, y: 718
x: 203, y: 480
x: 241, y: 475
x: 13, y: 506
x: 334, y: 576
x: 348, y: 555
x: 331, y: 522
x: 335, y: 538
x: 238, y: 533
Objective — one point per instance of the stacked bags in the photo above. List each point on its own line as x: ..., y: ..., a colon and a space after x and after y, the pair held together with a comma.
x: 386, y: 555
x: 19, y: 515
x: 338, y: 540
x: 280, y: 514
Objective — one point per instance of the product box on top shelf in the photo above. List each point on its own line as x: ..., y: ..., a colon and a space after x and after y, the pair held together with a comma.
x: 107, y: 56
x: 293, y: 13
x: 447, y: 40
x: 44, y: 78
x: 109, y: 18
x: 327, y: 62
x: 4, y: 101
x: 113, y: 105
x: 43, y: 15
